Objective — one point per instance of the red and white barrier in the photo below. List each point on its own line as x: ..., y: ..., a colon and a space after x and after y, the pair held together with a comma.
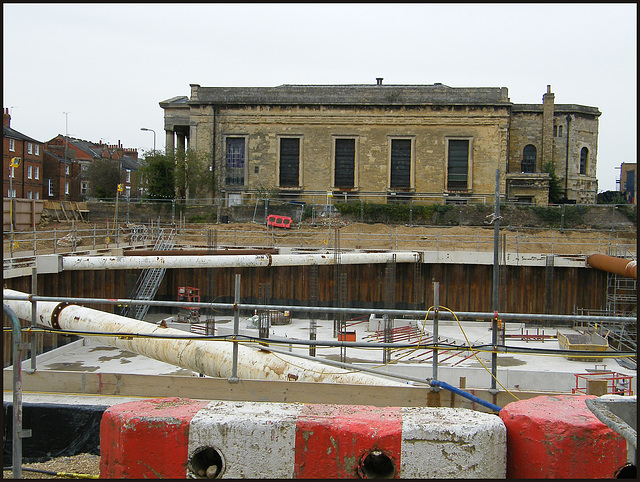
x: 177, y: 438
x: 552, y: 437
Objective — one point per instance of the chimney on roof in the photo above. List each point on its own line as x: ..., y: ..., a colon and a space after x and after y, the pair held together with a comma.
x: 6, y: 118
x: 379, y: 80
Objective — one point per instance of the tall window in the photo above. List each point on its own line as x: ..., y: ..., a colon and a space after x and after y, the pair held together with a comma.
x: 128, y: 175
x: 29, y: 195
x: 529, y: 155
x: 66, y: 188
x: 400, y: 163
x: 235, y: 161
x: 37, y: 150
x: 12, y: 145
x: 37, y: 194
x: 29, y: 172
x: 289, y: 162
x: 83, y: 187
x: 50, y: 187
x: 345, y: 161
x: 66, y: 169
x: 29, y: 148
x: 37, y: 173
x: 458, y: 165
x: 584, y: 157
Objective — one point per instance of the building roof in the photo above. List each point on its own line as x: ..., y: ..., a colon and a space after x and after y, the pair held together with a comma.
x: 435, y: 94
x: 558, y: 109
x: 14, y: 134
x: 130, y: 163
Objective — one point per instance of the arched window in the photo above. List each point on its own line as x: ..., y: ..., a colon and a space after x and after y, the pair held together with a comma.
x: 584, y: 156
x: 529, y: 158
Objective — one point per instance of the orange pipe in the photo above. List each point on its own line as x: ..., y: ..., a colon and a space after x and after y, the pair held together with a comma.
x: 611, y: 264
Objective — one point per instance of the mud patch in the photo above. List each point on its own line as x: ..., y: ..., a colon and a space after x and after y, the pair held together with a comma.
x: 71, y: 367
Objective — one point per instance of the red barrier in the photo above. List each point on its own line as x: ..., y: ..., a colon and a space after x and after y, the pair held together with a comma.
x: 558, y: 437
x: 279, y: 221
x: 151, y: 437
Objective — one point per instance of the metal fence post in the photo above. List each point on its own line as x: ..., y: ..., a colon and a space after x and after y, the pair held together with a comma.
x: 236, y: 325
x: 18, y: 432
x: 436, y: 306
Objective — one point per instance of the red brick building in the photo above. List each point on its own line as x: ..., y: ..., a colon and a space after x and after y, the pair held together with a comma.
x: 26, y: 181
x: 80, y: 155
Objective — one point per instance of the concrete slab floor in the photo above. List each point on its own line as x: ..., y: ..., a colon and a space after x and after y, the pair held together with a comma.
x: 514, y: 371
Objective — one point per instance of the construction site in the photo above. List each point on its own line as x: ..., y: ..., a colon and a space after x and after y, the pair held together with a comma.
x: 278, y: 313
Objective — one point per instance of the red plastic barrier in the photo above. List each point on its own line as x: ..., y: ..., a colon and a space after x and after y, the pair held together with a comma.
x: 279, y: 221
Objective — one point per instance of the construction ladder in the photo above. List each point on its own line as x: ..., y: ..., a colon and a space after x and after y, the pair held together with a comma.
x: 150, y: 279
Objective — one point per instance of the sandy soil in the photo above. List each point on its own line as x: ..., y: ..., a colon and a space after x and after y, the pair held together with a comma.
x: 78, y: 464
x: 323, y: 236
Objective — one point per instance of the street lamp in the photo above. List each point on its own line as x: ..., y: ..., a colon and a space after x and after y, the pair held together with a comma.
x: 154, y: 136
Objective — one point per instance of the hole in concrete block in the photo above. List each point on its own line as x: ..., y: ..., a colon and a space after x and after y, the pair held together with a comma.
x: 206, y: 463
x: 628, y: 471
x: 376, y: 465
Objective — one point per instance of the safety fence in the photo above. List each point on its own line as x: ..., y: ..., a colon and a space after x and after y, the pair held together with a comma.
x: 81, y: 237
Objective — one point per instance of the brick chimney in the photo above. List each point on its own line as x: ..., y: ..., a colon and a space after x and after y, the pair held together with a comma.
x: 547, y: 127
x: 6, y: 118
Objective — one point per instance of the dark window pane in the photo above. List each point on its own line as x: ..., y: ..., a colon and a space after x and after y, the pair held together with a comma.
x: 235, y: 161
x: 400, y: 163
x: 458, y: 165
x: 289, y: 162
x: 529, y: 155
x: 345, y: 162
x: 584, y: 155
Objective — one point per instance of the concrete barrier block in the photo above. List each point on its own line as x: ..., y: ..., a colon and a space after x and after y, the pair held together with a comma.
x: 147, y: 439
x: 282, y: 440
x: 559, y: 437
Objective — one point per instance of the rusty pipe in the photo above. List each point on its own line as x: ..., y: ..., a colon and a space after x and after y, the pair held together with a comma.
x: 212, y: 358
x: 611, y: 264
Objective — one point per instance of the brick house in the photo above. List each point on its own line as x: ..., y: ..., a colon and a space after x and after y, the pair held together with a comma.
x: 26, y: 179
x: 81, y: 154
x: 385, y: 143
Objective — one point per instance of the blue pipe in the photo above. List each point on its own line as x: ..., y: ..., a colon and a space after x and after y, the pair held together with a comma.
x: 451, y: 388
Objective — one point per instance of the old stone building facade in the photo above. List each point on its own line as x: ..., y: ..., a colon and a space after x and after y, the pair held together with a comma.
x: 385, y: 143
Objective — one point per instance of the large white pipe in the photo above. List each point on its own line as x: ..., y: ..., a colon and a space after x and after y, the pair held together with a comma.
x: 212, y: 358
x: 70, y: 263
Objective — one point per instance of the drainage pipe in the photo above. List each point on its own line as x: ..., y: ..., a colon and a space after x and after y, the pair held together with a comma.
x: 212, y: 358
x: 462, y: 393
x: 611, y: 264
x: 238, y: 261
x: 18, y: 433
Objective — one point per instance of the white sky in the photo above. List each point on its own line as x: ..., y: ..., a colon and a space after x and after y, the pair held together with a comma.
x: 109, y: 65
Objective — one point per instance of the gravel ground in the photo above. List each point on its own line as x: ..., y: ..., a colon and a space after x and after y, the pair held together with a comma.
x: 78, y: 464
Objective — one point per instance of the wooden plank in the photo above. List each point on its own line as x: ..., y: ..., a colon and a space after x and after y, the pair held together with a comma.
x: 152, y: 386
x: 64, y: 211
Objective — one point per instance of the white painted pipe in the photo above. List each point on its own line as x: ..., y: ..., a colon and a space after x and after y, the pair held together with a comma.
x: 212, y: 358
x: 72, y: 263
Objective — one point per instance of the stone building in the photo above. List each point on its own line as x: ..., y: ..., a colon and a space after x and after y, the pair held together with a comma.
x: 379, y: 142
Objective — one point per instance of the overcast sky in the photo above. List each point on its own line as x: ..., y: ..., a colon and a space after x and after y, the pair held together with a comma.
x: 109, y: 65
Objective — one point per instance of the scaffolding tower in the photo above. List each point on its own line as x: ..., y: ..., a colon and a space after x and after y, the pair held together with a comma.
x: 621, y: 301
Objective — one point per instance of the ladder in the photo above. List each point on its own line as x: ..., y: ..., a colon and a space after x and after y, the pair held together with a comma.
x: 150, y: 279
